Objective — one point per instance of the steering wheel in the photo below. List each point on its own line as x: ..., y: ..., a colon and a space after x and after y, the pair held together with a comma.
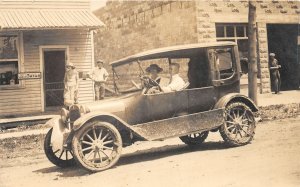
x: 149, y: 83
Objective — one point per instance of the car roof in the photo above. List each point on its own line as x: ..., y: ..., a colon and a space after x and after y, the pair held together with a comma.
x: 171, y: 51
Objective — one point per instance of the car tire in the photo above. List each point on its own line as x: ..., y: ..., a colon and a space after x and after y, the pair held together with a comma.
x: 239, y: 124
x: 194, y: 139
x: 56, y: 156
x: 100, y: 141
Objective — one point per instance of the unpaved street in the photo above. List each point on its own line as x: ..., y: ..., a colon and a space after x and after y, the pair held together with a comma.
x: 273, y: 159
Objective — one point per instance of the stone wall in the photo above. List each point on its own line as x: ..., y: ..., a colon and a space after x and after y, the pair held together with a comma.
x: 263, y: 58
x: 134, y: 27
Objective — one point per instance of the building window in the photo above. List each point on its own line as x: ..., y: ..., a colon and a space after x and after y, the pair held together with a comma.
x: 234, y: 32
x: 9, y: 60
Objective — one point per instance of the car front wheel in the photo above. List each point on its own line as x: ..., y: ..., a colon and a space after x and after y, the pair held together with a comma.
x: 61, y: 158
x: 239, y: 124
x: 97, y: 146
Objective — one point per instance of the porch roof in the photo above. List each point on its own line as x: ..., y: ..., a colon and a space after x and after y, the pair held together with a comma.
x: 47, y: 19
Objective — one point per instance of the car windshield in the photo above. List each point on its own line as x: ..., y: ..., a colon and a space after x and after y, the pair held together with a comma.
x: 127, y: 77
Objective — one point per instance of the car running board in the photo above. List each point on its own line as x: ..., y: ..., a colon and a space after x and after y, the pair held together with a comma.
x: 181, y: 125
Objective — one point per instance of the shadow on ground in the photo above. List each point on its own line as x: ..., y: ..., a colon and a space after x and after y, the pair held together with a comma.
x: 139, y: 156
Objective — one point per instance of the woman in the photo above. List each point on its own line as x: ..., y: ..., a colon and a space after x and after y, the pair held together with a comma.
x: 71, y: 82
x: 154, y: 70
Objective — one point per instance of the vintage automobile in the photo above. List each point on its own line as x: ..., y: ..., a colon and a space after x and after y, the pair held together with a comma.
x: 93, y: 134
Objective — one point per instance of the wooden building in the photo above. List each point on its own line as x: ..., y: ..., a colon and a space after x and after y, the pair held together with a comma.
x: 37, y: 39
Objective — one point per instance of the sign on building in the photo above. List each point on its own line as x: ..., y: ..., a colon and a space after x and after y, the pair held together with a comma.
x: 31, y: 75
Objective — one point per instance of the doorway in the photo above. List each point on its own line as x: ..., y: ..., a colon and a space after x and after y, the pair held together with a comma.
x: 282, y: 40
x: 54, y: 71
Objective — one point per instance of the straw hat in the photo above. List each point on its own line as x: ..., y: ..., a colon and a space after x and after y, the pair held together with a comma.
x: 100, y: 61
x: 70, y: 65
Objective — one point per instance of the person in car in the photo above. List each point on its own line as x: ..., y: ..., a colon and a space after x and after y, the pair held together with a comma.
x: 154, y: 70
x: 176, y: 82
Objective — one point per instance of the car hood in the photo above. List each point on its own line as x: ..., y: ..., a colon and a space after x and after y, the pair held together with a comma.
x: 111, y: 105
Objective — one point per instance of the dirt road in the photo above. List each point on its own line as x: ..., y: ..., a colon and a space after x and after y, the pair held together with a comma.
x: 273, y: 159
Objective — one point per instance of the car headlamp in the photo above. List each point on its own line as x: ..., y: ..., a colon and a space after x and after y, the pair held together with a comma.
x: 64, y: 114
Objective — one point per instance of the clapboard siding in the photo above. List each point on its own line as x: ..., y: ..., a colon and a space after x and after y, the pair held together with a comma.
x: 29, y: 99
x: 46, y: 4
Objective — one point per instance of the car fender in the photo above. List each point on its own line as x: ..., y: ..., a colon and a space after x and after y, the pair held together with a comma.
x: 105, y: 117
x: 236, y: 97
x: 59, y: 132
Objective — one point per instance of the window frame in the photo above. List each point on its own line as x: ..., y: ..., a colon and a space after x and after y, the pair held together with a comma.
x: 20, y: 59
x: 213, y: 70
x: 234, y: 25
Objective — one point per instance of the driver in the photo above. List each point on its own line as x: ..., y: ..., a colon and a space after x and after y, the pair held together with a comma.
x: 176, y: 82
x: 154, y: 70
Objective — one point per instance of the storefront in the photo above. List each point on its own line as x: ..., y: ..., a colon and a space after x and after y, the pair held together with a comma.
x: 35, y: 45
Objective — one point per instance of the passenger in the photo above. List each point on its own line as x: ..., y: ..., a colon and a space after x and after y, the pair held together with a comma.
x: 176, y: 82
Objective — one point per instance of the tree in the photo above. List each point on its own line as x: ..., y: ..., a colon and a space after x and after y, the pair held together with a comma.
x: 252, y: 53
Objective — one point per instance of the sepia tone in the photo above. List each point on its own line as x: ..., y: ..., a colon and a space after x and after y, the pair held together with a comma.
x: 149, y: 93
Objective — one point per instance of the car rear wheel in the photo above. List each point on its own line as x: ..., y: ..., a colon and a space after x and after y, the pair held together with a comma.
x: 194, y: 139
x: 61, y: 158
x: 239, y: 124
x: 97, y: 146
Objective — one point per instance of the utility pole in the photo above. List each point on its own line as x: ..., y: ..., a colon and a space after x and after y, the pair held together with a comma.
x: 252, y: 52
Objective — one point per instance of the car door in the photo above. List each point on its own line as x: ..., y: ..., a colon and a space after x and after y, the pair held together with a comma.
x: 166, y: 105
x: 201, y: 99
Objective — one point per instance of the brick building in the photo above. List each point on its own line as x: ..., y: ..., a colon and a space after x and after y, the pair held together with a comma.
x: 134, y: 26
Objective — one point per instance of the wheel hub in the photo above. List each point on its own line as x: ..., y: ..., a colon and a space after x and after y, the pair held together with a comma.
x: 97, y: 145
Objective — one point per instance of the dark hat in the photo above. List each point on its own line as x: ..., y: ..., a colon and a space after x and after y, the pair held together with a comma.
x: 154, y: 66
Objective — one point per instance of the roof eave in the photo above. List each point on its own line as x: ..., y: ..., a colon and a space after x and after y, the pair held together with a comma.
x: 50, y: 28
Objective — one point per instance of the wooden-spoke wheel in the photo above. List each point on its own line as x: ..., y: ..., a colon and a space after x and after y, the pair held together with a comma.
x: 62, y: 158
x: 194, y: 139
x: 239, y: 125
x: 97, y: 146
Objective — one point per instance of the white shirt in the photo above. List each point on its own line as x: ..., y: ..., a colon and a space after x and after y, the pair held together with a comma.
x: 99, y: 75
x: 176, y: 84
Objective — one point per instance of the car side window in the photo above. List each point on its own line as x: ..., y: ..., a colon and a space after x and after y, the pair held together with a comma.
x: 221, y: 63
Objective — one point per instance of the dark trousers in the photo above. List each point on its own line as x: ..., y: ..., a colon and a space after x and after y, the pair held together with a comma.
x: 99, y: 90
x: 276, y: 81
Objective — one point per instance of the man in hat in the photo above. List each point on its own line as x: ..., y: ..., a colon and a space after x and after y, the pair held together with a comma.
x: 99, y: 75
x: 274, y: 69
x: 71, y: 83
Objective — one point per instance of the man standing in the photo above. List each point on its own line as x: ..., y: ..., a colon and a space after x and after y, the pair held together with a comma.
x: 99, y: 75
x: 274, y: 69
x: 71, y: 82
